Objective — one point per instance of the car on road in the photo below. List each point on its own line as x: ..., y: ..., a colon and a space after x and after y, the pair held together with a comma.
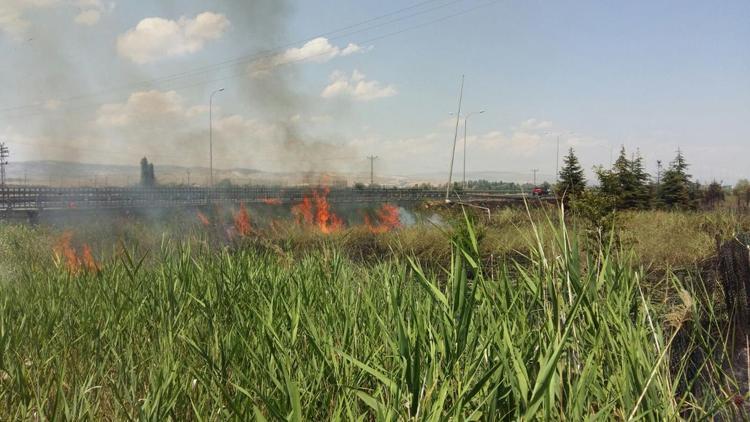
x: 540, y: 191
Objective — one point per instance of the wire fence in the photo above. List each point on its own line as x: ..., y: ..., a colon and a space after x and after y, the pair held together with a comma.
x: 40, y: 198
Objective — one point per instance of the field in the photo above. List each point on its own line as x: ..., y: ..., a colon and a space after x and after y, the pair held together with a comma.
x: 522, y: 315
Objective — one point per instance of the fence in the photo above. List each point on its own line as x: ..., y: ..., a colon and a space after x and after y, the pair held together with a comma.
x: 40, y: 198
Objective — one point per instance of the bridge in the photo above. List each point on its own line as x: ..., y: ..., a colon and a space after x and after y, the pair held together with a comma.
x: 36, y: 199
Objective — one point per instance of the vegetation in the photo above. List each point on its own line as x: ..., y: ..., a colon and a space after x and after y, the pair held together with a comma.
x: 742, y: 192
x: 148, y: 179
x: 572, y: 180
x: 675, y: 189
x: 196, y: 330
x: 627, y: 183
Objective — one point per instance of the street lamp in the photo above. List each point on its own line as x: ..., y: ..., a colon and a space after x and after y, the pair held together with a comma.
x: 465, y: 124
x: 211, y: 135
x: 557, y: 156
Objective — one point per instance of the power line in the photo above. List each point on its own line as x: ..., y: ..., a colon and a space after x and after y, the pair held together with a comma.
x: 261, y: 55
x: 244, y: 71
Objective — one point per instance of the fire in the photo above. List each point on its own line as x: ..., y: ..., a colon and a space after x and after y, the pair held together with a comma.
x: 387, y: 219
x: 304, y: 211
x: 326, y: 220
x: 65, y: 251
x: 68, y: 254
x: 242, y: 221
x: 203, y: 219
x: 272, y: 201
x: 317, y: 211
x: 87, y: 259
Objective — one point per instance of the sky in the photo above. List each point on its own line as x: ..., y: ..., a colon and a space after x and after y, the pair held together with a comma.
x: 321, y: 85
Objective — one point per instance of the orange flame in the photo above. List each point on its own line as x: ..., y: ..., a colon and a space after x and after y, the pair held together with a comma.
x: 326, y: 220
x: 204, y: 220
x: 67, y: 252
x: 242, y: 221
x: 304, y: 211
x: 87, y: 259
x: 317, y: 212
x: 272, y: 201
x: 387, y: 219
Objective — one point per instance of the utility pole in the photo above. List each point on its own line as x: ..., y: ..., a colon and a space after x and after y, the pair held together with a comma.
x: 534, y: 171
x: 4, y: 155
x: 372, y: 159
x: 466, y: 122
x: 211, y: 135
x: 557, y: 159
x: 455, y: 138
x: 188, y: 177
x: 658, y: 172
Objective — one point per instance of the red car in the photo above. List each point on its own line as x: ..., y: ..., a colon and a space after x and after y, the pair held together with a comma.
x: 539, y: 191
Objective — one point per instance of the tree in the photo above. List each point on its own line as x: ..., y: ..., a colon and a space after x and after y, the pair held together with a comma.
x: 742, y: 192
x: 642, y: 194
x: 676, y: 186
x: 714, y: 194
x: 626, y: 182
x: 147, y: 173
x: 572, y: 180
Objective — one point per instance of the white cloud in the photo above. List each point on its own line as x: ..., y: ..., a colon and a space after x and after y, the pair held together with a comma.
x: 13, y: 20
x: 88, y: 17
x: 157, y: 38
x: 52, y: 104
x: 143, y: 108
x: 90, y: 11
x: 356, y: 87
x: 535, y: 124
x: 318, y: 50
x: 165, y: 124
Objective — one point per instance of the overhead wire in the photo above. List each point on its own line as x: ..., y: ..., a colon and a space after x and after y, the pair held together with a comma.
x: 249, y: 58
x: 244, y: 72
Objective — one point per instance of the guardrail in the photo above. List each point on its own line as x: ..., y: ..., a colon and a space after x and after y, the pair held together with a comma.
x: 40, y: 198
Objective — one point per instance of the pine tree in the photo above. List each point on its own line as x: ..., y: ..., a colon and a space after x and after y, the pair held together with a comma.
x: 642, y: 196
x: 147, y: 173
x: 572, y: 180
x: 626, y: 183
x: 675, y: 189
x: 713, y: 195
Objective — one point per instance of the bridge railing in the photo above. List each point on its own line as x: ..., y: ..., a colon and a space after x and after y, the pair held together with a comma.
x: 38, y: 198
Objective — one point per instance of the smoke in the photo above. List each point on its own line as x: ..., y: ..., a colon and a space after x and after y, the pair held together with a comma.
x: 263, y: 121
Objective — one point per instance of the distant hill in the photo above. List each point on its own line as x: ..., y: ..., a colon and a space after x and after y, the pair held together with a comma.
x: 63, y: 173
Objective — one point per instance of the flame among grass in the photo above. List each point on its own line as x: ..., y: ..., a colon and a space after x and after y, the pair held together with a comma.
x: 242, y: 222
x: 67, y: 253
x: 387, y: 218
x: 75, y: 263
x: 325, y: 219
x: 203, y: 219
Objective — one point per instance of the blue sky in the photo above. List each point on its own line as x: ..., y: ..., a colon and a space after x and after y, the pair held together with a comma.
x: 652, y: 75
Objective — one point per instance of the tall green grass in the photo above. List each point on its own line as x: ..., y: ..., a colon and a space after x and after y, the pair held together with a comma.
x: 245, y: 333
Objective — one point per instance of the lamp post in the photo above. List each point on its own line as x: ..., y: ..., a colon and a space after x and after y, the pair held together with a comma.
x: 466, y: 119
x: 211, y: 136
x: 557, y: 154
x: 455, y: 138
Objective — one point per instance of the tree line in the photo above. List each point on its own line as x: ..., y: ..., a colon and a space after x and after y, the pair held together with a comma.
x: 628, y: 186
